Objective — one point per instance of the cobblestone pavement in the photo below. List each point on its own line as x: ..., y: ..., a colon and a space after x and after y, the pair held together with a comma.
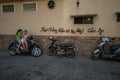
x: 27, y: 67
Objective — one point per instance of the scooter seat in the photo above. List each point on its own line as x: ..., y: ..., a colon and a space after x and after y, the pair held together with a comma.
x: 65, y: 45
x: 114, y: 48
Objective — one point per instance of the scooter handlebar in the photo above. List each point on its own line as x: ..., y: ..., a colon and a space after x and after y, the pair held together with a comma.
x: 105, y: 39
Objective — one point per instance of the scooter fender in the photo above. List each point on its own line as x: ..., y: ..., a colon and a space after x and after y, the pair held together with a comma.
x: 96, y: 51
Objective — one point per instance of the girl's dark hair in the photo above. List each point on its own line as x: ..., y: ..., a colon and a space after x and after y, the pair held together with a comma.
x: 18, y: 31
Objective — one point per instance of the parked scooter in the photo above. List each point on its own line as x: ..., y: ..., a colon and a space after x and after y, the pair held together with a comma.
x: 67, y: 49
x: 99, y: 51
x: 33, y: 48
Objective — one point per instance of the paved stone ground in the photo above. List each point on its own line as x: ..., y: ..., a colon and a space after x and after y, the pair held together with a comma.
x: 56, y: 68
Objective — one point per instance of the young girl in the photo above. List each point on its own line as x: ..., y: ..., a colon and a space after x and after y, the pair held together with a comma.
x: 24, y: 39
x: 18, y: 38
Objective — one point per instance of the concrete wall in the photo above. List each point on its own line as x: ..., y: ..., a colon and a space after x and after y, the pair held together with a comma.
x: 105, y: 19
x: 84, y: 45
x: 60, y: 17
x: 32, y: 21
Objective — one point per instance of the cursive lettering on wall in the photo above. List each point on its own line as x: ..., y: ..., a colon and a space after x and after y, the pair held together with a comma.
x: 73, y: 31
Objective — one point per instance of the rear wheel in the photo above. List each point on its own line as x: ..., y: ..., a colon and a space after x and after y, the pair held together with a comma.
x: 12, y: 52
x: 36, y: 51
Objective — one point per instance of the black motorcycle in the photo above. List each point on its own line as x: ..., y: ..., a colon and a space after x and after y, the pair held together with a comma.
x: 99, y: 51
x: 67, y: 49
x: 33, y: 48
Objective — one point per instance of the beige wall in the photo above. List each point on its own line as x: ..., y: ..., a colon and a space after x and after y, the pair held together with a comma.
x: 60, y: 17
x: 33, y: 21
x: 105, y: 19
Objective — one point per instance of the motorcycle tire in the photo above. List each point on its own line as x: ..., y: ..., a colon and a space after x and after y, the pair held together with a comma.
x: 52, y: 51
x: 36, y: 51
x: 71, y: 54
x: 49, y: 51
x: 12, y: 52
x: 97, y: 55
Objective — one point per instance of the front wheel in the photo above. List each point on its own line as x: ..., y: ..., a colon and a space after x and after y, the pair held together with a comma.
x: 36, y: 51
x: 95, y: 54
x: 52, y: 51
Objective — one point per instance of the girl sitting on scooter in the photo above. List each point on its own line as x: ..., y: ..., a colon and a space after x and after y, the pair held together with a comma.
x: 18, y: 38
x: 24, y: 39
